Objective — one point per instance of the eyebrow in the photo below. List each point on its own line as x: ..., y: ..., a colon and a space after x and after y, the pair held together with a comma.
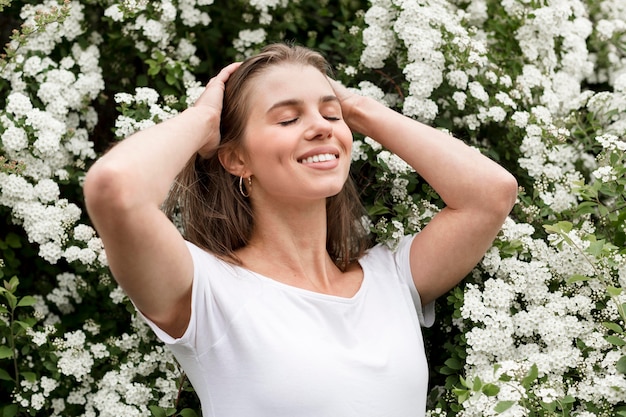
x: 295, y: 102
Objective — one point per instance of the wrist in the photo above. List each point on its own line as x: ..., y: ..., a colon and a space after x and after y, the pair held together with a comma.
x: 362, y: 114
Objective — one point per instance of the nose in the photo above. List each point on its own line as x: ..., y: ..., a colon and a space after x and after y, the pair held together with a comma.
x: 319, y: 128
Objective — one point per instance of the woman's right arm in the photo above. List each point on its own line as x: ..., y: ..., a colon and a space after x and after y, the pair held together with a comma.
x: 124, y: 191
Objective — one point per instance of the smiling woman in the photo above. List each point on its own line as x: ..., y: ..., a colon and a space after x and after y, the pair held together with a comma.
x: 271, y: 299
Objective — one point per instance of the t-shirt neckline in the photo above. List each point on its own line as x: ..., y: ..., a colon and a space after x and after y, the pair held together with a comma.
x: 310, y: 293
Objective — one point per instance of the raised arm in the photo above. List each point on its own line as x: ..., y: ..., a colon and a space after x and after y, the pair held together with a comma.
x: 124, y: 191
x: 478, y: 193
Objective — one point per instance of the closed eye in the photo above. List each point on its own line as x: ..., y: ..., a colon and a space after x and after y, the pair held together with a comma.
x: 288, y: 122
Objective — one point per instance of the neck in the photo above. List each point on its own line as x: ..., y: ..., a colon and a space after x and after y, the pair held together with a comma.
x: 290, y: 243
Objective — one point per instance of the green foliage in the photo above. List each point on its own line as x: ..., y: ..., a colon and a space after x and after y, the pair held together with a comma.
x: 398, y: 201
x: 19, y: 319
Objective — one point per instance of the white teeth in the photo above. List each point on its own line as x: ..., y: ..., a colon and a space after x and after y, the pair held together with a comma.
x: 318, y: 158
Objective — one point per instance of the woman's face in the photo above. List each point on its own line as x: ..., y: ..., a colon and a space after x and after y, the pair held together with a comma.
x: 297, y: 144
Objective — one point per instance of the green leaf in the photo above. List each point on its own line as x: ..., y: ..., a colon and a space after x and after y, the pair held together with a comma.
x: 377, y: 210
x: 621, y: 365
x: 595, y: 248
x: 12, y: 284
x: 577, y: 278
x: 548, y: 406
x: 170, y: 79
x: 13, y: 241
x: 27, y: 301
x: 502, y: 406
x: 11, y: 300
x: 533, y: 373
x: 4, y: 375
x: 444, y: 370
x: 29, y: 376
x: 18, y: 323
x: 454, y: 363
x: 6, y: 352
x: 462, y: 394
x: 477, y: 384
x: 586, y: 207
x: 10, y: 410
x: 560, y: 227
x: 615, y: 340
x: 490, y: 390
x: 187, y: 412
x: 614, y: 291
x: 613, y: 326
x: 157, y: 411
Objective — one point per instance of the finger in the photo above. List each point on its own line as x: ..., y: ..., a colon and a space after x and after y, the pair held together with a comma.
x: 227, y: 71
x: 214, y: 90
x: 224, y: 74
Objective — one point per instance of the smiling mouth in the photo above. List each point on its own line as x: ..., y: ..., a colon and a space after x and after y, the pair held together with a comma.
x: 318, y: 158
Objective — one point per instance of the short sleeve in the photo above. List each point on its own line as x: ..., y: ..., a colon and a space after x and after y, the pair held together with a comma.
x: 425, y: 313
x: 200, y: 303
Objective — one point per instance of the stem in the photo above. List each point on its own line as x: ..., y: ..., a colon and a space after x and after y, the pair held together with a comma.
x: 391, y: 80
x: 599, y: 275
x: 57, y: 15
x: 12, y: 346
x: 181, y: 383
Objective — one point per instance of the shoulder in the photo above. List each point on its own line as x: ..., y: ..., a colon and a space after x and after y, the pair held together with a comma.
x: 384, y: 255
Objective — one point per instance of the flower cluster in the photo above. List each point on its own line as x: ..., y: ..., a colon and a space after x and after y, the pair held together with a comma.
x: 45, y: 126
x: 538, y: 327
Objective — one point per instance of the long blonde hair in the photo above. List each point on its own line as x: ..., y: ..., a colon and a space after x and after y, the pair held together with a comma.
x: 215, y: 215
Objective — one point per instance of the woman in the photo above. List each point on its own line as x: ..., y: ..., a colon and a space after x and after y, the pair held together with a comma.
x: 270, y: 301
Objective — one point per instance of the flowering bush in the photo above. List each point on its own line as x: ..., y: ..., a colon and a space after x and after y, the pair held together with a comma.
x: 537, y: 329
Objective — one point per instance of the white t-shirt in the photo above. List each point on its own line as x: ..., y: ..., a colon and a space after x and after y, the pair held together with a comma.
x: 258, y: 348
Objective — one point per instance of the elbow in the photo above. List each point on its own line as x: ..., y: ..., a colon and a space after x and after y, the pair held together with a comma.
x: 105, y: 190
x: 503, y: 194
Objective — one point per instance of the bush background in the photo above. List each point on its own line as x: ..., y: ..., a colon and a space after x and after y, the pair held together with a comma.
x: 539, y: 86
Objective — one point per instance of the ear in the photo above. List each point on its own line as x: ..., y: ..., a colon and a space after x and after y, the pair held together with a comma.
x: 232, y: 160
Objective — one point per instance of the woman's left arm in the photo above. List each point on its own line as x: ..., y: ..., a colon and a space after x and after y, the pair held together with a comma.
x: 478, y: 192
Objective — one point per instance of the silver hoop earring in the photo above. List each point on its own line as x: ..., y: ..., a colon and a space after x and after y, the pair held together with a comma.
x: 241, y: 187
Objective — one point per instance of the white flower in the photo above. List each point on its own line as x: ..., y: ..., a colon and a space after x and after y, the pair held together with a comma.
x: 18, y: 104
x: 497, y: 114
x: 87, y: 256
x: 459, y: 98
x: 113, y: 12
x: 477, y: 91
x: 14, y: 139
x: 247, y: 38
x: 47, y: 385
x: 83, y: 232
x: 154, y: 31
x: 99, y: 351
x: 37, y: 401
x: 117, y: 295
x: 146, y: 95
x: 605, y: 174
x: 47, y: 191
x: 394, y: 163
x: 51, y: 252
x: 423, y: 109
x: 75, y: 362
x: 124, y: 98
x: 457, y: 79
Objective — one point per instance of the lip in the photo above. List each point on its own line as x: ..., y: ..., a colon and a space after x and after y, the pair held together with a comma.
x: 318, y: 151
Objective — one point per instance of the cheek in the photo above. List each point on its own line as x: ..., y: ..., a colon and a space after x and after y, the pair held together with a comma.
x: 345, y: 136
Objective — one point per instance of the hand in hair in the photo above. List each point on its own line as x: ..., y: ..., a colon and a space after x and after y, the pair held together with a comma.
x: 212, y: 99
x: 349, y: 101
